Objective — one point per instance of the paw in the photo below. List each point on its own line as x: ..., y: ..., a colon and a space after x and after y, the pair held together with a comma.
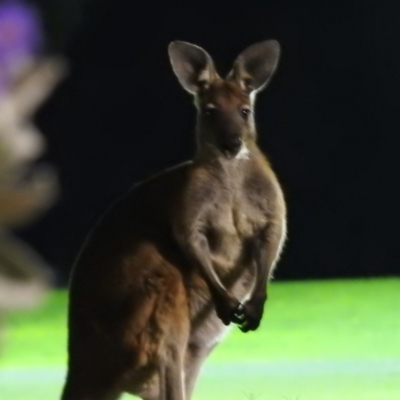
x: 249, y: 315
x: 225, y: 309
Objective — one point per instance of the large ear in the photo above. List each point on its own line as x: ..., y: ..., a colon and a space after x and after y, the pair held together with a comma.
x: 255, y: 66
x: 192, y: 65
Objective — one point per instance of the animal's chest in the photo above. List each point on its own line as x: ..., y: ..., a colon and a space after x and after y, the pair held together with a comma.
x: 236, y: 216
x: 233, y: 222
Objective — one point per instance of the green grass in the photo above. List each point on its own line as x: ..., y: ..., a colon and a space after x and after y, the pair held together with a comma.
x: 321, y: 340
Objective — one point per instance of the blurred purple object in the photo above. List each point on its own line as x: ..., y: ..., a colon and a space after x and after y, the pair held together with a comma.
x: 21, y: 37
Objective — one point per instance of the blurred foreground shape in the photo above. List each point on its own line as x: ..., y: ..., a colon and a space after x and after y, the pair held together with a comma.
x: 26, y: 190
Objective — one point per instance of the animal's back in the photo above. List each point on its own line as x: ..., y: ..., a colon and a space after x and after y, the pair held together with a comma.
x: 127, y: 279
x: 139, y: 217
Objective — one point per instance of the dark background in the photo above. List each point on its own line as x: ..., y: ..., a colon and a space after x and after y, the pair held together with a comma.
x: 329, y: 120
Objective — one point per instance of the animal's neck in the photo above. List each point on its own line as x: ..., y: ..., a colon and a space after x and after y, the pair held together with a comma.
x: 209, y: 153
x: 233, y: 168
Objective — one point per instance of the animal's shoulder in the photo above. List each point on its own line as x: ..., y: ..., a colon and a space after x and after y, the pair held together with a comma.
x: 202, y: 184
x: 163, y: 176
x: 260, y: 179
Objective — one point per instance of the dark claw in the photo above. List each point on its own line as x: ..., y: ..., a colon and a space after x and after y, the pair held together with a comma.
x: 226, y: 308
x: 240, y: 308
x: 249, y: 326
x: 248, y: 316
x: 238, y: 315
x: 237, y: 319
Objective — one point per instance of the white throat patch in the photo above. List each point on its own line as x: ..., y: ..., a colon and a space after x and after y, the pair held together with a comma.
x: 243, y: 153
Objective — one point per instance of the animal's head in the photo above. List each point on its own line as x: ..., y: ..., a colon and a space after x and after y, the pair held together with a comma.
x: 225, y: 106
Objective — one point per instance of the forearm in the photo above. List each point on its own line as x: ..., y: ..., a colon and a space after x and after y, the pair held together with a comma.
x: 266, y: 253
x: 199, y: 251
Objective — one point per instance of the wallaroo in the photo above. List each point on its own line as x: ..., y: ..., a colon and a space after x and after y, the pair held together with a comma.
x: 185, y: 253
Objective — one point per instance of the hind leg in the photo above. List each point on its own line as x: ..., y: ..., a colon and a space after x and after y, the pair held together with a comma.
x: 80, y: 390
x: 173, y: 317
x: 172, y: 378
x: 195, y: 357
x: 93, y: 380
x: 174, y: 321
x: 166, y: 382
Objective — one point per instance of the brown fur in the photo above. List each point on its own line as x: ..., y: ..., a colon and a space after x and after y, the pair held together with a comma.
x: 166, y: 268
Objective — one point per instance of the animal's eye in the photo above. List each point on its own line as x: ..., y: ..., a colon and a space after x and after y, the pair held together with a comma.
x: 245, y: 112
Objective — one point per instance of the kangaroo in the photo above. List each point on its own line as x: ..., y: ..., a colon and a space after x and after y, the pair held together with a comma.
x: 185, y: 253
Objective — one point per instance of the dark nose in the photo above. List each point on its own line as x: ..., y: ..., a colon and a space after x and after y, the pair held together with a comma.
x: 231, y: 144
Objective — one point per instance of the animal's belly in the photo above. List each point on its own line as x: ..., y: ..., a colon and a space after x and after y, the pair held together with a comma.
x: 230, y: 239
x: 233, y: 261
x: 211, y: 332
x: 228, y: 249
x: 206, y: 328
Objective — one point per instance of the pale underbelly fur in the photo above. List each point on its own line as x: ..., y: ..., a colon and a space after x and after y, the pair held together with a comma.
x: 236, y: 270
x: 210, y: 331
